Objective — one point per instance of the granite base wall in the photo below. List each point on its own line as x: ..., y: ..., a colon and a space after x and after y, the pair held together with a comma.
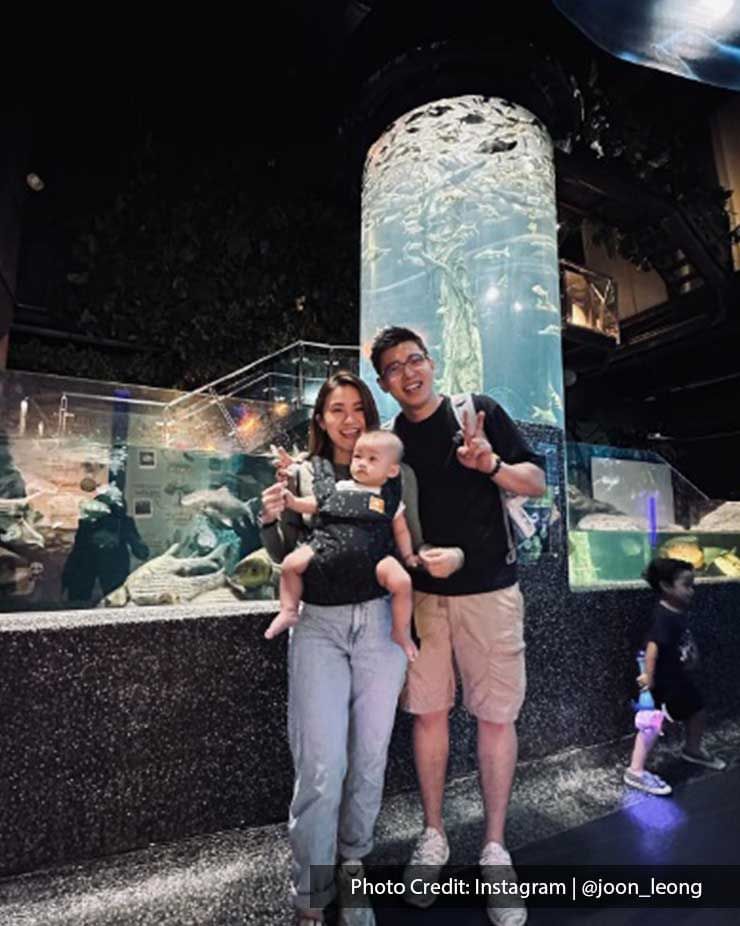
x: 118, y: 730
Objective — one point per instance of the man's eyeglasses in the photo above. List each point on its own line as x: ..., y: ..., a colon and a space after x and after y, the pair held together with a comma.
x: 395, y: 370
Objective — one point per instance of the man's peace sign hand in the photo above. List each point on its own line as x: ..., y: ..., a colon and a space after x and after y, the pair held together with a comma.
x: 476, y: 451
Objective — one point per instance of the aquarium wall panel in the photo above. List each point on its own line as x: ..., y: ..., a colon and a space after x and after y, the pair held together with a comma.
x: 459, y: 243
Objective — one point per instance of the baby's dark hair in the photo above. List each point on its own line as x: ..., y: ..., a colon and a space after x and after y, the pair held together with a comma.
x: 666, y: 570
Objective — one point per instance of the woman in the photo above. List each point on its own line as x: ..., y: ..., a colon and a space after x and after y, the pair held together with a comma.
x: 344, y: 674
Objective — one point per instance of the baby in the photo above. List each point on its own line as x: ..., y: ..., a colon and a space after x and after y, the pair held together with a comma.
x: 359, y: 520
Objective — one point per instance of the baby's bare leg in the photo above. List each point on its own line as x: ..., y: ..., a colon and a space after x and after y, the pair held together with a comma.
x: 291, y: 590
x: 394, y: 578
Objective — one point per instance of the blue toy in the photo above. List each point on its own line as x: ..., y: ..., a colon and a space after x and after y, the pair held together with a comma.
x: 647, y: 716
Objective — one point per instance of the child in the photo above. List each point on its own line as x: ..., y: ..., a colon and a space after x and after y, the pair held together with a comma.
x: 366, y: 525
x: 670, y: 654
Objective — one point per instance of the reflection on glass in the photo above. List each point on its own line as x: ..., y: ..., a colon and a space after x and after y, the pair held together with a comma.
x: 697, y: 39
x: 627, y: 506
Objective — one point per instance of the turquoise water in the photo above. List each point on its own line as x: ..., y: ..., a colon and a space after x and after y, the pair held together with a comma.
x: 609, y: 557
x: 459, y: 243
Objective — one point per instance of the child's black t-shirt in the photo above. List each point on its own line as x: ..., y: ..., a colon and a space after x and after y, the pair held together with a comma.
x: 677, y: 651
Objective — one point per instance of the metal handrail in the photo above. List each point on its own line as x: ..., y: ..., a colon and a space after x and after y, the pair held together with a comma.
x: 234, y: 385
x: 230, y: 377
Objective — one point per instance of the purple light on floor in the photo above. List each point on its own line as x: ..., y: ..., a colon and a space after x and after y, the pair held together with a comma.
x: 652, y: 519
x: 655, y: 814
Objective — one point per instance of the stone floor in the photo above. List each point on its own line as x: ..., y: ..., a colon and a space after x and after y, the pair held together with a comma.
x: 241, y: 877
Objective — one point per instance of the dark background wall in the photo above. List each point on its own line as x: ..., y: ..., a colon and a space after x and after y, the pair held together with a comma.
x: 15, y: 141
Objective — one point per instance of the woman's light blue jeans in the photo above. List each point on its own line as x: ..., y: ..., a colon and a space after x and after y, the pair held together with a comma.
x: 344, y: 678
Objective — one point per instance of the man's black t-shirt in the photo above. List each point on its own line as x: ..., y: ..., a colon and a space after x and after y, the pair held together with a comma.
x: 459, y: 507
x: 676, y: 648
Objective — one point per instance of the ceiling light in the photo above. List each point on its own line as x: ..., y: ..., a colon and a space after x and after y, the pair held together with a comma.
x: 35, y: 182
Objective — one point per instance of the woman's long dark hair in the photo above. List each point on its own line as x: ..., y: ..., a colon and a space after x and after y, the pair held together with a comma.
x: 318, y: 440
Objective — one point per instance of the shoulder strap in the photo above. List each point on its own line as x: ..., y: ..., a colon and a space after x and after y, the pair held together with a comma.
x: 511, y: 510
x: 462, y: 404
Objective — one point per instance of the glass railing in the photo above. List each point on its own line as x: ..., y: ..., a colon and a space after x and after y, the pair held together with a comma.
x: 258, y: 402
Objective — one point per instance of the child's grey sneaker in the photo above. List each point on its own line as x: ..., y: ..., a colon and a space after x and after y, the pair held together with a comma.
x: 648, y: 782
x: 429, y: 857
x: 705, y: 759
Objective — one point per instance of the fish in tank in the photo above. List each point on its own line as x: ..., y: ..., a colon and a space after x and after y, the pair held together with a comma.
x: 459, y: 244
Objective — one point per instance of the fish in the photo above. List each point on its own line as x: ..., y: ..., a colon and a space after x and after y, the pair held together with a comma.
x: 169, y: 579
x: 374, y: 253
x: 630, y: 546
x: 727, y: 565
x: 206, y: 539
x: 492, y: 254
x: 412, y: 228
x: 94, y: 509
x: 685, y: 548
x: 543, y: 415
x: 110, y: 494
x: 219, y: 504
x: 16, y: 523
x: 555, y: 400
x: 551, y: 330
x: 254, y: 570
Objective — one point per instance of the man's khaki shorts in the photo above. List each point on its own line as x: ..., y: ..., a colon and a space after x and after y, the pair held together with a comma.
x: 482, y: 634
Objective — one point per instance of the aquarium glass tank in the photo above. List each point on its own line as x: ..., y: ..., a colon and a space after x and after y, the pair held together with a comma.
x: 627, y: 506
x: 459, y: 243
x: 107, y: 501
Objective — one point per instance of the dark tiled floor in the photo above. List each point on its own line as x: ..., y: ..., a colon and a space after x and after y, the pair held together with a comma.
x: 565, y: 809
x: 700, y: 825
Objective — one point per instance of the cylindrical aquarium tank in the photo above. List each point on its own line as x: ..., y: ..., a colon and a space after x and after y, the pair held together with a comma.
x: 459, y: 243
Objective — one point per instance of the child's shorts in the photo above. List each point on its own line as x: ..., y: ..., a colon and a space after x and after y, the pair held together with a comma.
x: 680, y: 701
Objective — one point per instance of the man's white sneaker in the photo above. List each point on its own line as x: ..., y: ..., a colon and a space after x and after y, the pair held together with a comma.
x: 429, y: 857
x: 504, y: 909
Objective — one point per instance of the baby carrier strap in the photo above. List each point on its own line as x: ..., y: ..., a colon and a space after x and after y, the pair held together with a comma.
x: 337, y: 505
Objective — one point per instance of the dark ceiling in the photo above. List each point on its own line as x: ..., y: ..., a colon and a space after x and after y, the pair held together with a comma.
x: 297, y: 73
x: 290, y: 70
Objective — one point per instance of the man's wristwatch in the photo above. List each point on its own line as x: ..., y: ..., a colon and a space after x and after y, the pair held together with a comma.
x: 496, y: 466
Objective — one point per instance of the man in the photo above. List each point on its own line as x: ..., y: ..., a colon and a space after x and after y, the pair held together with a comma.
x: 474, y: 611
